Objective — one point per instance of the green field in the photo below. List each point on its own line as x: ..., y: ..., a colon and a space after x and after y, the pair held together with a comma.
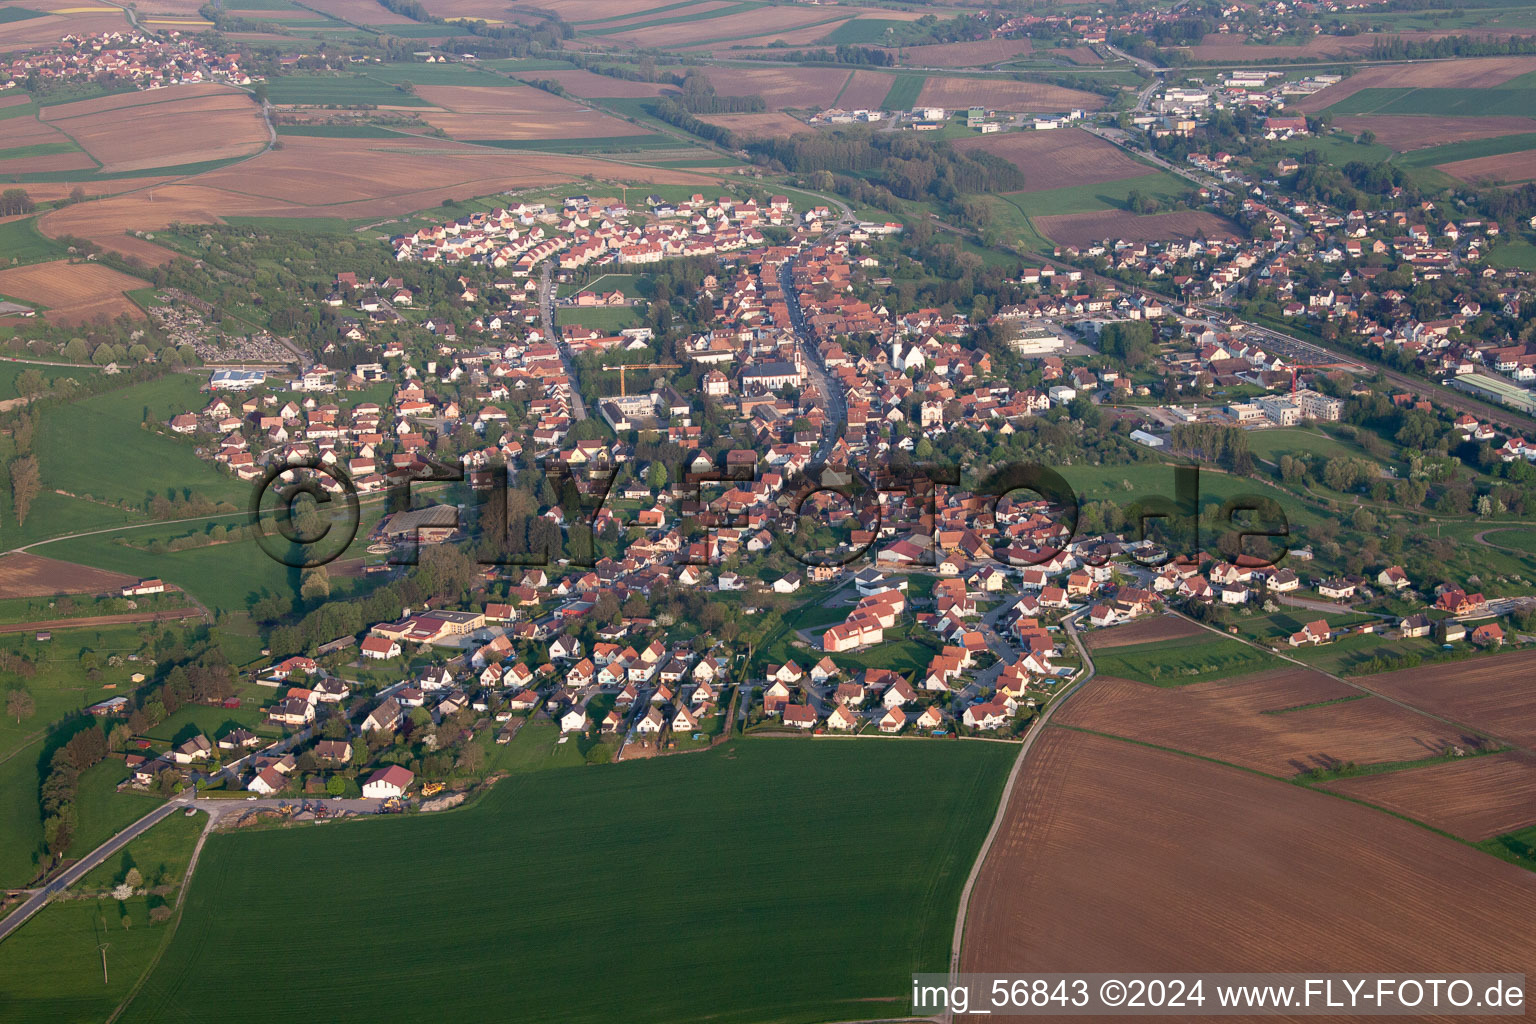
x: 9, y: 14
x: 100, y: 447
x: 793, y: 880
x: 20, y: 817
x: 51, y: 968
x: 103, y: 811
x: 1195, y: 659
x: 440, y: 74
x: 1454, y: 151
x: 1515, y: 102
x: 904, y: 92
x: 1159, y: 185
x: 864, y: 31
x: 161, y: 854
x: 21, y: 242
x: 226, y: 577
x: 339, y: 89
x: 599, y: 318
x: 1520, y: 255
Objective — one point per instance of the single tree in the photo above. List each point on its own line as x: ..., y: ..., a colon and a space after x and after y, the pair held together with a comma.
x: 24, y: 486
x: 19, y: 704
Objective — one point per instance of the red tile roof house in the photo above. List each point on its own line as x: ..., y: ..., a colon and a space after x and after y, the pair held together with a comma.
x: 388, y: 782
x: 800, y: 716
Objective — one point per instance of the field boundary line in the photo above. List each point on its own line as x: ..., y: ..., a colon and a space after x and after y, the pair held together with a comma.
x: 1035, y: 731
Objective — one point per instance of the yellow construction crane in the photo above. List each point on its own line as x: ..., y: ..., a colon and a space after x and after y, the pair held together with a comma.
x: 621, y: 367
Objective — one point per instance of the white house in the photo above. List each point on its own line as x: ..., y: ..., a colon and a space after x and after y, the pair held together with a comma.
x: 387, y: 783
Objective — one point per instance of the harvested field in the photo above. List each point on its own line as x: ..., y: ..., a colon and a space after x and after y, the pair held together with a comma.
x: 50, y: 162
x: 810, y: 36
x: 29, y: 131
x: 322, y: 177
x: 1404, y: 132
x: 493, y: 112
x: 757, y: 27
x: 605, y: 18
x: 1502, y: 169
x: 1493, y: 693
x: 758, y: 124
x: 1077, y: 54
x: 74, y: 292
x: 1004, y: 95
x: 1462, y: 73
x: 1087, y: 228
x: 780, y: 87
x: 866, y: 90
x: 593, y: 86
x: 1115, y: 857
x: 1142, y: 631
x: 359, y: 12
x: 180, y: 128
x: 14, y: 100
x: 975, y: 54
x: 1476, y: 798
x: 24, y: 575
x: 34, y: 33
x: 1057, y: 159
x: 1237, y: 721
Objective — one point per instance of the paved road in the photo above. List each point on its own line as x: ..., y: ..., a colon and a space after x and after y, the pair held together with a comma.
x: 552, y: 328
x: 834, y: 402
x: 86, y: 864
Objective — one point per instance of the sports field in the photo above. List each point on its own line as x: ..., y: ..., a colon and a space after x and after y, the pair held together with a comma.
x: 839, y: 863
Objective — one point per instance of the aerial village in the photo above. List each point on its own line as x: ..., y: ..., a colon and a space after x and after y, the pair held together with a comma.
x: 956, y: 617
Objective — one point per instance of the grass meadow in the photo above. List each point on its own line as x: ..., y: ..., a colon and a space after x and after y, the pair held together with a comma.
x: 52, y: 968
x: 1195, y: 659
x: 785, y: 881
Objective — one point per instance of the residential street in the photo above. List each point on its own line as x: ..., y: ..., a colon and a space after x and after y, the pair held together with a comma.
x: 90, y: 861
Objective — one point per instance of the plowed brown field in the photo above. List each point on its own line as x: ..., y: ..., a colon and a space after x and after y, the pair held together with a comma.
x: 1142, y: 631
x: 318, y: 177
x: 866, y: 90
x: 1494, y: 693
x: 1404, y: 132
x: 780, y: 87
x: 1059, y: 158
x: 1228, y: 721
x: 1462, y: 73
x: 997, y: 94
x: 1474, y: 798
x: 1114, y: 857
x: 978, y: 53
x: 1506, y: 168
x: 51, y: 162
x: 759, y: 124
x: 588, y: 85
x: 490, y: 112
x: 178, y: 125
x: 74, y: 292
x: 26, y: 575
x: 1087, y: 228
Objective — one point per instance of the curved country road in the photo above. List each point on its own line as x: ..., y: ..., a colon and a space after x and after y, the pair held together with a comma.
x: 1070, y: 624
x: 39, y: 899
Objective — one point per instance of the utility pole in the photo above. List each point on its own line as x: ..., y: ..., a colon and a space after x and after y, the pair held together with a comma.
x: 103, y: 948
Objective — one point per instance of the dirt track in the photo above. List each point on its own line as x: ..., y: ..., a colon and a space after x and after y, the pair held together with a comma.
x: 102, y: 620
